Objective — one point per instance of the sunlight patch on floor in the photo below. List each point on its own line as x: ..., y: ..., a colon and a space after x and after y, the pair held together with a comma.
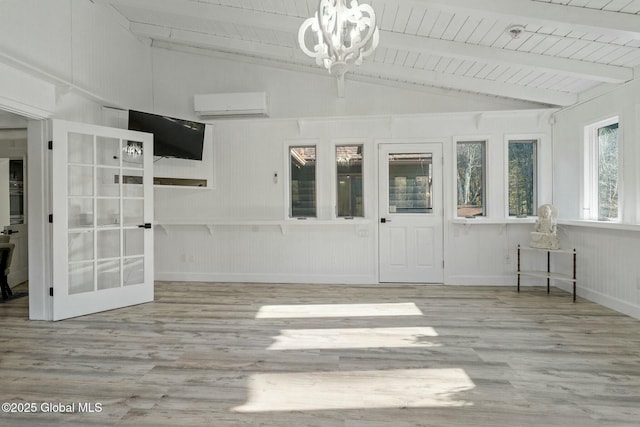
x: 337, y: 310
x: 306, y: 339
x: 400, y: 388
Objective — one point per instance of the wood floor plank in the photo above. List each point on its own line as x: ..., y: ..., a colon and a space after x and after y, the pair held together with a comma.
x: 200, y: 355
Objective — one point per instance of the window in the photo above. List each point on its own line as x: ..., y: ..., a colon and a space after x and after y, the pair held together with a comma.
x: 410, y: 183
x: 602, y: 172
x: 522, y: 171
x: 471, y: 178
x: 303, y: 181
x: 350, y: 201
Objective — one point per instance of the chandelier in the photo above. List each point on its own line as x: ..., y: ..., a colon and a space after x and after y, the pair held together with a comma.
x: 341, y: 36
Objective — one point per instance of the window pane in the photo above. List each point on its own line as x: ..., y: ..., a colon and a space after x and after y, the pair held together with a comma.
x: 608, y: 171
x: 410, y: 177
x: 522, y: 177
x: 349, y: 169
x: 471, y: 178
x: 303, y: 181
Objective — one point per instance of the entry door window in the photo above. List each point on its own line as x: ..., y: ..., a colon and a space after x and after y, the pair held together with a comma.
x: 410, y: 183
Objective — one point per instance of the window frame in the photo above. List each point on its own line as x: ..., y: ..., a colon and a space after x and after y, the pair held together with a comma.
x: 590, y: 202
x: 485, y: 165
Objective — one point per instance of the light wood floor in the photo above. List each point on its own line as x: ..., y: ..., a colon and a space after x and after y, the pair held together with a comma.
x: 220, y: 355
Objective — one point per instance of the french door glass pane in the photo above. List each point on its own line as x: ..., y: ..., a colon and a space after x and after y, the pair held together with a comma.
x: 80, y: 213
x: 132, y: 183
x: 133, y: 271
x: 132, y: 154
x: 133, y: 211
x: 133, y: 241
x: 81, y: 246
x: 81, y: 277
x: 410, y: 183
x: 108, y: 244
x: 108, y: 212
x: 80, y: 148
x: 108, y: 274
x: 108, y: 182
x: 80, y: 181
x: 107, y: 151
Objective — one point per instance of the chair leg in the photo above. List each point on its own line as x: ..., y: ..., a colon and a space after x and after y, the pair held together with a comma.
x: 4, y: 286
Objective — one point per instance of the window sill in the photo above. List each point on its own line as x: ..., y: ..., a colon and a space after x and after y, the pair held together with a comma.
x: 610, y: 225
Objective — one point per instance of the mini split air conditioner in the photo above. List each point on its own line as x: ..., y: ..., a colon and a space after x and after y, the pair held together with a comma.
x: 231, y: 104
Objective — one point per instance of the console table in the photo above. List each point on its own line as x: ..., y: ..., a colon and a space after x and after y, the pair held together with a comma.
x: 548, y: 274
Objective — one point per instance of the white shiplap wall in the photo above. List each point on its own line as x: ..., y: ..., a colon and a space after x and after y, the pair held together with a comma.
x: 78, y: 46
x: 238, y: 231
x: 607, y: 256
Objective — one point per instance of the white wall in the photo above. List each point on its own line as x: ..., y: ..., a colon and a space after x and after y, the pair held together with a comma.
x: 238, y: 231
x: 608, y: 270
x: 73, y: 45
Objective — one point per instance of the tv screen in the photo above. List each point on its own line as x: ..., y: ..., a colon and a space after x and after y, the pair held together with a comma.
x: 171, y: 137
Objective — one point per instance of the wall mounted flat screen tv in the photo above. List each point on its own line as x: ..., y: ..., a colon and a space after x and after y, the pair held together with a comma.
x: 172, y: 137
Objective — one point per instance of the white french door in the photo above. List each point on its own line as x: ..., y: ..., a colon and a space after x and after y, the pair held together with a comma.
x: 102, y: 218
x: 411, y: 213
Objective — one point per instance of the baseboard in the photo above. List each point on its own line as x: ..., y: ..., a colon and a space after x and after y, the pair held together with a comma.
x: 616, y: 304
x: 509, y: 280
x: 266, y: 278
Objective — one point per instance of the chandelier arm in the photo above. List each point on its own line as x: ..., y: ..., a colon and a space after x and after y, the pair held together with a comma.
x: 326, y: 36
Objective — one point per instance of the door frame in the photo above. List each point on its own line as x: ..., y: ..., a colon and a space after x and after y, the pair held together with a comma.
x: 445, y: 151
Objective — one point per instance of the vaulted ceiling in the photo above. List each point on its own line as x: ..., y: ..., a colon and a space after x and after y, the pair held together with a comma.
x: 566, y: 49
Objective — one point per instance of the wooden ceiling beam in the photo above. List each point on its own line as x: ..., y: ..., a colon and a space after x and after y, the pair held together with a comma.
x: 380, y: 71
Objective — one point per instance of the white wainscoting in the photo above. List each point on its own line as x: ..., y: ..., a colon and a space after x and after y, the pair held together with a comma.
x: 608, y: 269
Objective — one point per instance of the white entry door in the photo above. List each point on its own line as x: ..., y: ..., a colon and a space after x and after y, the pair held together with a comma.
x: 411, y: 213
x: 102, y: 218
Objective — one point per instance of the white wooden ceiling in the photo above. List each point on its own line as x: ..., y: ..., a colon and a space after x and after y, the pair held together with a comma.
x: 567, y: 46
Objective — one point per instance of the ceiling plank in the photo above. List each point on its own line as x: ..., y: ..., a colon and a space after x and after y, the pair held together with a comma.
x: 544, y: 13
x: 393, y: 40
x: 496, y: 56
